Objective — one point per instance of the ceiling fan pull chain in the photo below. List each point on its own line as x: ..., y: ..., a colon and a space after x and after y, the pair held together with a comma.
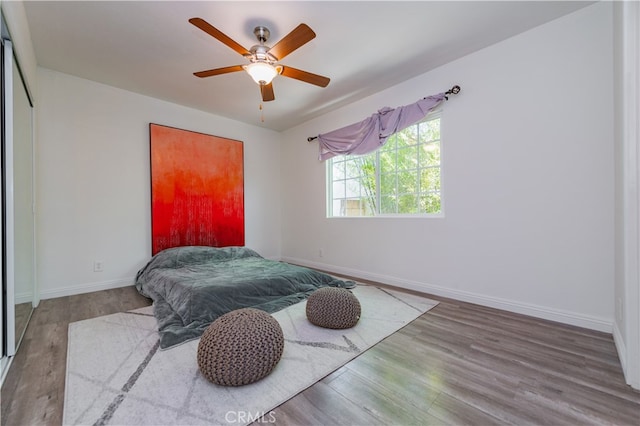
x: 261, y: 113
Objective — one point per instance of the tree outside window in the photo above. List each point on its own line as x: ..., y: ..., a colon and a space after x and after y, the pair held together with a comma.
x: 401, y: 178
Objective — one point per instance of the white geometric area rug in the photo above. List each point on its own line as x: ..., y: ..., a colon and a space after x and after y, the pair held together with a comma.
x: 116, y: 374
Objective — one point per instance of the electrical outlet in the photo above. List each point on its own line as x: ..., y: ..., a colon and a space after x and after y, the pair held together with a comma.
x: 98, y: 266
x: 321, y: 252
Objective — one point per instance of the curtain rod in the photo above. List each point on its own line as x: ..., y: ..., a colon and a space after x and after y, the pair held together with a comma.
x: 453, y: 91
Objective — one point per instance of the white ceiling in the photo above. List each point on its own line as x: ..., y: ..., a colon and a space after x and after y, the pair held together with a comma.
x: 149, y: 47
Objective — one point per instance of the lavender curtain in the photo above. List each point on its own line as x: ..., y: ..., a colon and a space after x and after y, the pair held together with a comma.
x: 371, y: 133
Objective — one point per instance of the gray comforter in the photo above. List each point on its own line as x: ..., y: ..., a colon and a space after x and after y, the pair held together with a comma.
x: 192, y: 286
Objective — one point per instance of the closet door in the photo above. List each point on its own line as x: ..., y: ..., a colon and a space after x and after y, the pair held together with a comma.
x: 3, y: 297
x: 18, y: 209
x: 7, y: 192
x: 23, y: 205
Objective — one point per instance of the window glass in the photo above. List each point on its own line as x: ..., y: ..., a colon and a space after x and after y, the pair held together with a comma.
x: 401, y: 178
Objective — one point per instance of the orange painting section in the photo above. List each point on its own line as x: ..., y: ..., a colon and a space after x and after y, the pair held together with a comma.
x: 197, y: 189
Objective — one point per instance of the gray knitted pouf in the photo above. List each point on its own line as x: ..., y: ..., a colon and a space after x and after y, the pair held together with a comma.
x: 240, y: 347
x: 333, y: 307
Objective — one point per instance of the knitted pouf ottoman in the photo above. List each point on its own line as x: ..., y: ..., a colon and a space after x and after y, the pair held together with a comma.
x: 240, y: 347
x: 333, y: 307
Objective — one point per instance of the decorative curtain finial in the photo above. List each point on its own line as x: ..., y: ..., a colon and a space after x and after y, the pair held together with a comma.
x: 453, y: 91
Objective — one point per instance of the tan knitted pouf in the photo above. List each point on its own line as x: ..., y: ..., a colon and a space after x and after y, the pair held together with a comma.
x: 333, y: 307
x: 240, y: 347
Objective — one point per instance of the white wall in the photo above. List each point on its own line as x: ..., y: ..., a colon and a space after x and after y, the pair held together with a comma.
x: 93, y: 184
x: 528, y: 181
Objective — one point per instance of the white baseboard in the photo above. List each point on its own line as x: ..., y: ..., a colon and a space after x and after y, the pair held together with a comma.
x: 86, y: 288
x: 627, y: 364
x: 565, y: 317
x: 620, y: 346
x: 23, y: 298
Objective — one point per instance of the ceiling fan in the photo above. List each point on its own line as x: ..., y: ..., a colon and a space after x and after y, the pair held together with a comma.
x: 263, y: 64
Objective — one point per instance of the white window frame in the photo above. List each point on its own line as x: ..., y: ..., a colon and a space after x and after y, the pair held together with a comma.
x: 329, y: 182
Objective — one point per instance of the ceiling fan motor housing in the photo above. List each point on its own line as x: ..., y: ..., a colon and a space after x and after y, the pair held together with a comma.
x: 260, y: 53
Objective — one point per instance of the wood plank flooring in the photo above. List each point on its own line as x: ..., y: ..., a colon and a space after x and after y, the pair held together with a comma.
x: 459, y: 364
x: 33, y: 391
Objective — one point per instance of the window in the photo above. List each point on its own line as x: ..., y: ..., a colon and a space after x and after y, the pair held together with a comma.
x: 401, y: 178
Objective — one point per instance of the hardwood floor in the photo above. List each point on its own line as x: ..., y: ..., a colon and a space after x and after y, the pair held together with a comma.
x: 467, y: 364
x: 33, y: 391
x: 457, y: 364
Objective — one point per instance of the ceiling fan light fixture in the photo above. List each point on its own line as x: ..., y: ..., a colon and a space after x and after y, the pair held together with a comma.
x: 261, y: 72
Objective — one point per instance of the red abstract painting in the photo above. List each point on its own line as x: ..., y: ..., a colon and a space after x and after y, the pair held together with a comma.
x: 197, y: 189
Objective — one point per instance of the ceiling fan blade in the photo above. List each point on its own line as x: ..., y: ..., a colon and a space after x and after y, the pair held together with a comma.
x: 217, y: 34
x: 299, y: 36
x: 267, y: 92
x: 218, y: 71
x: 305, y: 76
